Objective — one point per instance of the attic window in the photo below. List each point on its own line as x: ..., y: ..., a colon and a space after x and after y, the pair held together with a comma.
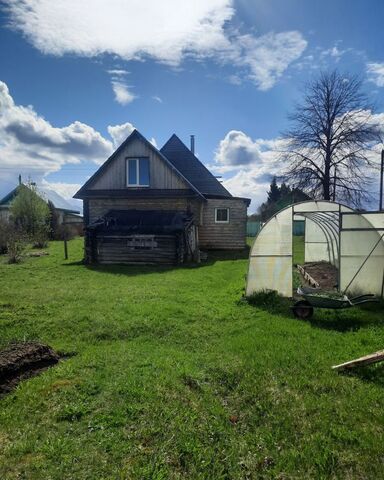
x: 138, y: 172
x: 221, y: 215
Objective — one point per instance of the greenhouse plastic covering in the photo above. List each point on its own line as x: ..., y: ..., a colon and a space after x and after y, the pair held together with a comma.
x: 334, y: 233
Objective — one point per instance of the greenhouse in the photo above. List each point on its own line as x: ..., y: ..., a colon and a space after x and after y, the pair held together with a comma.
x: 335, y: 234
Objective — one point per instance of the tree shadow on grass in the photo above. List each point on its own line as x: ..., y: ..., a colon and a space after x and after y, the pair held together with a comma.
x: 370, y: 373
x: 350, y: 319
x: 338, y: 320
x: 271, y: 302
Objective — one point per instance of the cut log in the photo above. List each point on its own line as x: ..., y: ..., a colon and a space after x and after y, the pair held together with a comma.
x: 359, y: 362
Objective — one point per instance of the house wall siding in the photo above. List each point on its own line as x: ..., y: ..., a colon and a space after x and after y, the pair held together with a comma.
x: 161, y: 175
x: 99, y: 207
x: 230, y: 235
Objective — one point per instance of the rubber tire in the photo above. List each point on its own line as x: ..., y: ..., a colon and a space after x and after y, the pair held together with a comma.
x: 303, y: 310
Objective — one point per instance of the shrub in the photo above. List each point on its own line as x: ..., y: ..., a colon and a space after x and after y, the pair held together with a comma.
x: 16, y: 244
x: 4, y: 234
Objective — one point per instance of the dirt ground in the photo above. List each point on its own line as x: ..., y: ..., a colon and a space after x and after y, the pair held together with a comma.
x: 23, y: 360
x: 324, y: 273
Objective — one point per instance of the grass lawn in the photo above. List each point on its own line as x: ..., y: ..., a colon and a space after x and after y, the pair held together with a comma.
x: 175, y: 377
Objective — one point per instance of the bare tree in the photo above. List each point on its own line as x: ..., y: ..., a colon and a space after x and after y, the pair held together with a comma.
x: 329, y: 144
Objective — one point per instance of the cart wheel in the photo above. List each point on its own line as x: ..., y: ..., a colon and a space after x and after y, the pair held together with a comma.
x: 302, y: 309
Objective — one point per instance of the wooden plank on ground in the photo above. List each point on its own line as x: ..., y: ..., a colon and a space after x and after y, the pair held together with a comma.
x: 359, y: 362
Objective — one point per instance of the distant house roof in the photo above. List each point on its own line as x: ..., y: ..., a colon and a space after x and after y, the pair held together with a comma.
x: 185, y: 161
x: 47, y: 194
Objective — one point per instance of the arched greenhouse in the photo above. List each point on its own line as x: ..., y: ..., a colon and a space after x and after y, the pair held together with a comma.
x: 349, y: 240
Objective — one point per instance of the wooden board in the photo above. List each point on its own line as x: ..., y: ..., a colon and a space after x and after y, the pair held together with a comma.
x: 359, y: 362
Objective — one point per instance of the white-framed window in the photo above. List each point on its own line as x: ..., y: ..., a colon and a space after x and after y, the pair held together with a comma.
x: 138, y: 172
x: 221, y: 215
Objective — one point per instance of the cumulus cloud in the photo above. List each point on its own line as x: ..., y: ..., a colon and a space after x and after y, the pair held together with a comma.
x: 28, y: 140
x: 248, y: 165
x: 119, y: 133
x: 376, y: 73
x: 32, y: 146
x: 237, y: 148
x: 165, y: 31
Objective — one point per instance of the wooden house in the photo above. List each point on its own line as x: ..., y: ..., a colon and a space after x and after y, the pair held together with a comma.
x: 146, y: 205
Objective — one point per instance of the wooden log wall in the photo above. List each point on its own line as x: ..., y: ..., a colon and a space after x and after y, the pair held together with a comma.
x: 230, y: 235
x: 115, y: 250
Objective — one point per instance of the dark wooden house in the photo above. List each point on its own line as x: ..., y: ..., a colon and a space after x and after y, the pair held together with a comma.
x: 146, y: 205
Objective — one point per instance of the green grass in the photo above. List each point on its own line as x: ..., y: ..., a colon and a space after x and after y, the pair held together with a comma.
x: 176, y: 377
x: 298, y: 249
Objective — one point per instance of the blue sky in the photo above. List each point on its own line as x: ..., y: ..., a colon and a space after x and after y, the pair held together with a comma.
x: 77, y: 76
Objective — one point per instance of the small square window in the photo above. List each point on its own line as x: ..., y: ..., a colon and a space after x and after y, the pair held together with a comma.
x: 137, y: 172
x: 221, y: 215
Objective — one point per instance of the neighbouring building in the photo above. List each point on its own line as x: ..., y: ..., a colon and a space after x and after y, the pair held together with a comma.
x: 65, y: 213
x: 146, y: 205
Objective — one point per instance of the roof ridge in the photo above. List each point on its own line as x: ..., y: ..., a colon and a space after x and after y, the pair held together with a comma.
x: 175, y: 141
x: 134, y: 134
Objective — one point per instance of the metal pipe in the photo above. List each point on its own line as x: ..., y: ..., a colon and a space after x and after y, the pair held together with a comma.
x: 381, y: 180
x: 193, y: 144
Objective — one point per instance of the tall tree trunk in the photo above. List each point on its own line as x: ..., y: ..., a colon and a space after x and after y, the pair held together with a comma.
x: 327, y: 177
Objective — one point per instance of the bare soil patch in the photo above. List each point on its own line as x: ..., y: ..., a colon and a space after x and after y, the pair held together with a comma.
x: 324, y: 273
x: 23, y: 360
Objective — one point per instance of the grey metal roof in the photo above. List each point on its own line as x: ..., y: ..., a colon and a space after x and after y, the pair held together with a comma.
x: 46, y: 194
x: 191, y: 168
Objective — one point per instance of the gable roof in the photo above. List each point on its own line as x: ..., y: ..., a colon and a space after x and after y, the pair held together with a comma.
x: 134, y: 135
x: 191, y: 167
x: 46, y: 194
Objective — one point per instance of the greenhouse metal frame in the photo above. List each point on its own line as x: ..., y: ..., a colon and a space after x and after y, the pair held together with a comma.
x: 352, y: 241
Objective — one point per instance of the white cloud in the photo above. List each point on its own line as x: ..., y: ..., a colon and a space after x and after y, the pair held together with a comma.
x: 120, y: 87
x: 335, y: 52
x: 119, y: 133
x: 268, y: 56
x: 248, y: 165
x: 129, y: 29
x: 376, y: 73
x: 165, y: 31
x: 122, y: 93
x: 237, y: 149
x: 118, y: 72
x: 32, y: 146
x: 242, y: 184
